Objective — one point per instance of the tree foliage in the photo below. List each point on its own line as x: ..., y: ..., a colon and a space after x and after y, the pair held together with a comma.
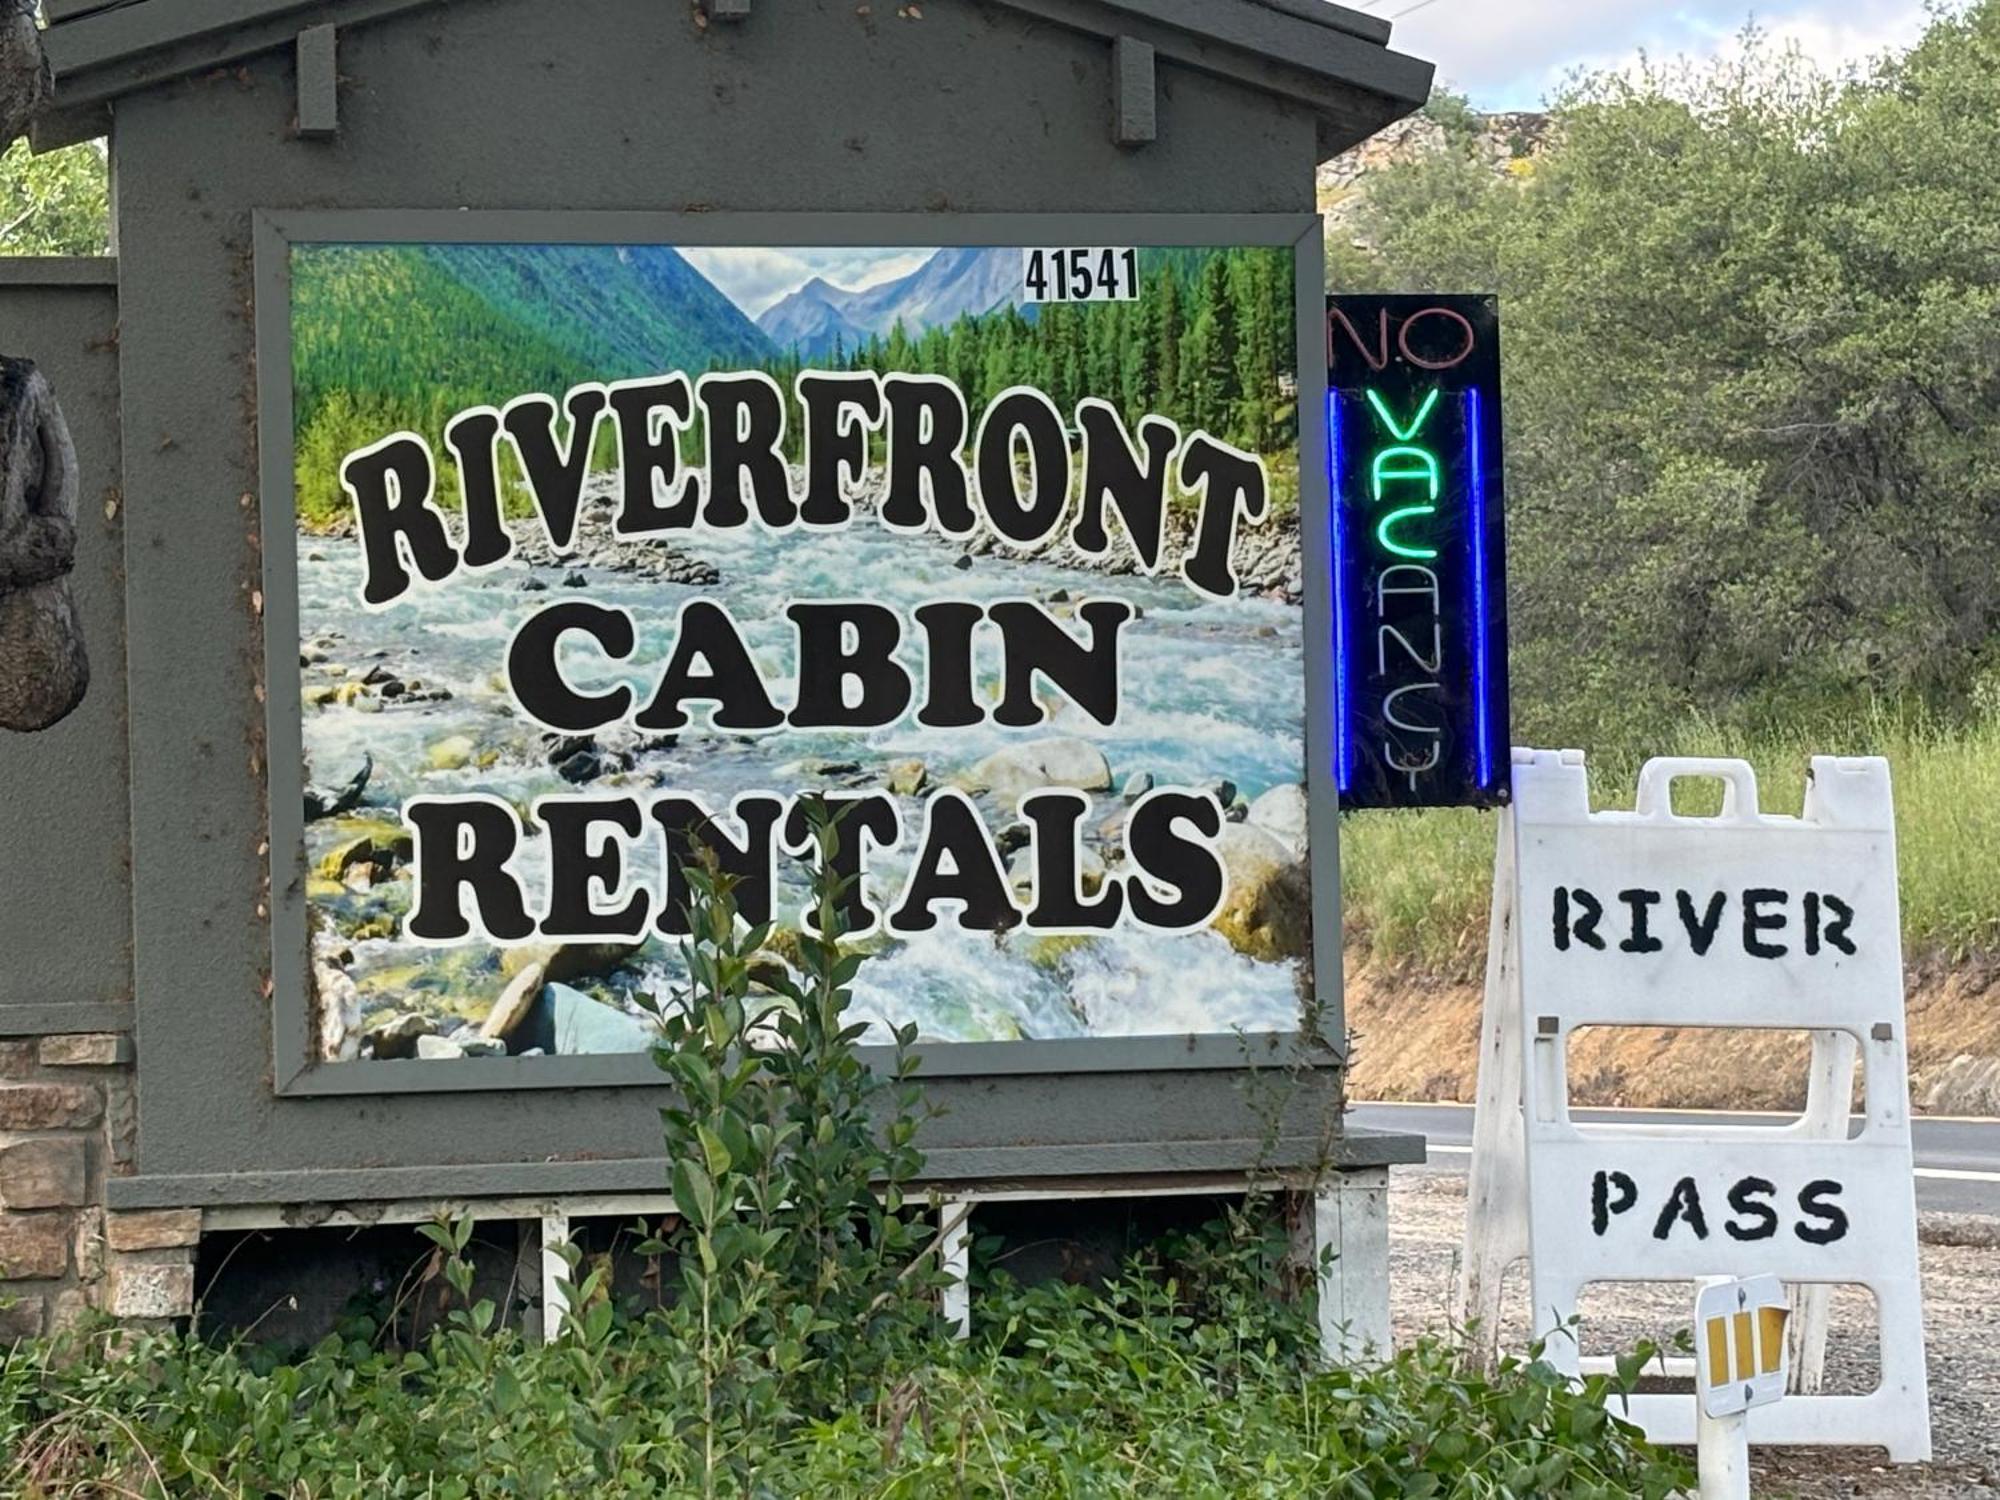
x: 1209, y: 342
x: 55, y: 204
x: 1751, y: 319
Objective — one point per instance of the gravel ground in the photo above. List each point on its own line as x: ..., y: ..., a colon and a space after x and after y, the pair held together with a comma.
x: 1962, y: 1328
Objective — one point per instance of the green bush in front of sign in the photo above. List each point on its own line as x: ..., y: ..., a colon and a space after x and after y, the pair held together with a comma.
x: 801, y: 1352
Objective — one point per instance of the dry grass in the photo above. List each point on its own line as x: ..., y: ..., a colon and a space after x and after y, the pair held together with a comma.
x: 1415, y: 886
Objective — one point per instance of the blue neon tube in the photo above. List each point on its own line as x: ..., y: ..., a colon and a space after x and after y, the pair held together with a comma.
x: 1475, y: 440
x: 1342, y: 758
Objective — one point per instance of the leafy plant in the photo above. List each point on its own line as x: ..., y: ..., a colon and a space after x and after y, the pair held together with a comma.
x: 801, y: 1353
x: 801, y: 1262
x: 1179, y: 1377
x: 54, y: 204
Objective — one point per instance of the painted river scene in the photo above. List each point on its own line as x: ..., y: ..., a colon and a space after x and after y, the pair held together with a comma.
x: 412, y: 699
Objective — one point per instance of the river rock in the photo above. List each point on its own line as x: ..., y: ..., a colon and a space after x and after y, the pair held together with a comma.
x: 1008, y: 773
x: 1137, y: 785
x: 906, y: 778
x: 1267, y: 910
x: 1282, y: 812
x: 437, y: 1048
x: 567, y: 961
x: 396, y: 1036
x: 515, y: 1001
x: 337, y: 1002
x: 453, y: 753
x: 343, y: 856
x: 628, y: 744
x: 580, y: 767
x: 323, y: 802
x: 378, y: 844
x: 1021, y: 872
x: 578, y: 1024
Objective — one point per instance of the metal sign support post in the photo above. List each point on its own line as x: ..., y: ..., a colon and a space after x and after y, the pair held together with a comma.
x: 1740, y: 1364
x: 1723, y: 1462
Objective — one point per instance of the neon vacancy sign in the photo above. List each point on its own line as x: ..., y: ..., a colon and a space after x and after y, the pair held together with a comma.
x: 1420, y: 623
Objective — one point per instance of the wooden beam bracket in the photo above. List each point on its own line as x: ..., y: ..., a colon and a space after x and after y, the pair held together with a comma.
x: 1134, y: 92
x: 319, y: 83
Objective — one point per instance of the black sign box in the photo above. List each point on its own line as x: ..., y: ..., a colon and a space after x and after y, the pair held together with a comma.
x: 1419, y: 568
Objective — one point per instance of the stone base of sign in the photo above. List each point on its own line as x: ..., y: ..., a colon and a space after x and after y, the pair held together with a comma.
x: 67, y: 1123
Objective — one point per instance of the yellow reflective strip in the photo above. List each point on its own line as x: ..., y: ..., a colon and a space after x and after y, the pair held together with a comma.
x: 1771, y: 1338
x: 1718, y: 1352
x: 1746, y: 1353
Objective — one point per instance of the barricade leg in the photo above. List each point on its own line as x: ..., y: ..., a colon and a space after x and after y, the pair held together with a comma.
x: 1496, y: 1195
x: 1828, y: 1101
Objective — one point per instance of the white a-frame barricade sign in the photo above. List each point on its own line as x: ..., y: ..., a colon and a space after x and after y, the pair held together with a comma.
x: 1647, y: 918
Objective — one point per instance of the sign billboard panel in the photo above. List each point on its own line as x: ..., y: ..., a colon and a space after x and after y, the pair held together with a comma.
x: 606, y: 549
x: 1413, y: 420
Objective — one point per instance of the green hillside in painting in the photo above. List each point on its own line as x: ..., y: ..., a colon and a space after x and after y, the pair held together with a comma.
x: 403, y: 336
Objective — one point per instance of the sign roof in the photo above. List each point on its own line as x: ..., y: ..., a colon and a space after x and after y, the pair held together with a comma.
x: 1333, y: 59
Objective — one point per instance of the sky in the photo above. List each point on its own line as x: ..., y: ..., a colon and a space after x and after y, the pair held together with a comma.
x: 1506, y: 54
x: 755, y: 278
x: 1510, y: 54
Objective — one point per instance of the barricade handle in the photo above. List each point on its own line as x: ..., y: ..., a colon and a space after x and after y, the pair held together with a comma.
x: 1657, y: 778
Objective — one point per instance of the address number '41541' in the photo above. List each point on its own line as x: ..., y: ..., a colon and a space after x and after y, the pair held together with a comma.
x: 1078, y: 274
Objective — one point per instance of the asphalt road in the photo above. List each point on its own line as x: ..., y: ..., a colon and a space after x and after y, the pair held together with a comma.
x: 1958, y: 1160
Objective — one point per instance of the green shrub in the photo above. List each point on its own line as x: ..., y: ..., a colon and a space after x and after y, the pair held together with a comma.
x: 1181, y: 1378
x: 801, y: 1352
x: 802, y: 1268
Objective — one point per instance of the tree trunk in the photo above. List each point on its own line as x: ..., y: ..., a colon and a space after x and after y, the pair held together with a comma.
x: 43, y: 669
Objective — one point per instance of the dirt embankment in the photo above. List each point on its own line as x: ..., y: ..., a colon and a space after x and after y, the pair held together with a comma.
x: 1416, y: 1038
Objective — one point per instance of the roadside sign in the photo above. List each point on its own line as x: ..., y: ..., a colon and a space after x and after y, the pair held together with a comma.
x: 1419, y: 566
x: 1647, y: 918
x: 1739, y: 1339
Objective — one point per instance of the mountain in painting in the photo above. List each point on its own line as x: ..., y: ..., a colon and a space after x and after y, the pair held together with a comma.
x: 956, y: 280
x: 813, y: 320
x: 446, y: 326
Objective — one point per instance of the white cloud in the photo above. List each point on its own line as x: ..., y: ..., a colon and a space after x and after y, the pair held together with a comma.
x: 754, y: 277
x: 1511, y: 54
x: 1863, y: 32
